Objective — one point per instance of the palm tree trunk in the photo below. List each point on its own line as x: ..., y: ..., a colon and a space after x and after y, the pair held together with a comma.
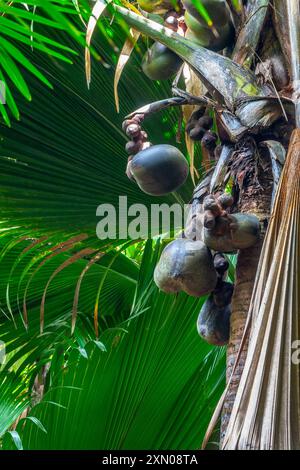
x: 255, y: 199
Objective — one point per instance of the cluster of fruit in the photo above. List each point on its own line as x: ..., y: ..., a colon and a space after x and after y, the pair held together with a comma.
x: 227, y: 232
x: 215, y: 29
x: 188, y: 264
x: 213, y: 322
x: 209, y: 26
x: 133, y: 130
x: 193, y: 263
x: 162, y: 169
x: 199, y: 127
x: 157, y: 169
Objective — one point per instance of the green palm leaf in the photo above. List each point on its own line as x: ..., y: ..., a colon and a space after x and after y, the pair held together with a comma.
x: 14, y: 399
x: 157, y: 372
x: 67, y: 154
x: 19, y: 25
x: 64, y: 158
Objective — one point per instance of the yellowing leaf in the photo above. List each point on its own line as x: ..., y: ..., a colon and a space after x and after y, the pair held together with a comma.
x: 127, y: 49
x: 97, y: 11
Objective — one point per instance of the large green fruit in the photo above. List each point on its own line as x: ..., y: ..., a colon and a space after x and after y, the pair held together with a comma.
x: 216, y: 10
x: 213, y: 323
x: 206, y: 37
x: 159, y: 63
x: 203, y: 38
x: 186, y: 265
x: 157, y: 6
x: 238, y: 232
x: 195, y: 25
x: 210, y: 41
x: 160, y: 169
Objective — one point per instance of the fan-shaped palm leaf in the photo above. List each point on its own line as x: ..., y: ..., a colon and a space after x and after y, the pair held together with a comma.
x: 158, y: 372
x: 67, y: 154
x: 20, y: 25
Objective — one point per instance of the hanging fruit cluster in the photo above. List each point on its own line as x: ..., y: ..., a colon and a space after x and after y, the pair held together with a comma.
x: 199, y: 124
x: 194, y: 263
x: 228, y: 232
x: 159, y: 63
x: 157, y: 169
x: 210, y: 26
x: 214, y: 318
x: 186, y: 265
x: 209, y: 23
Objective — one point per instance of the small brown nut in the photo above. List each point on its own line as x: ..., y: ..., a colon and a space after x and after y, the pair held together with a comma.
x: 190, y: 125
x: 196, y: 133
x: 211, y: 204
x: 209, y: 219
x: 193, y: 120
x: 127, y: 123
x: 138, y: 118
x: 221, y: 264
x: 226, y: 200
x: 172, y: 23
x: 144, y: 136
x: 209, y: 140
x: 198, y: 113
x: 206, y: 122
x: 133, y: 147
x: 133, y: 130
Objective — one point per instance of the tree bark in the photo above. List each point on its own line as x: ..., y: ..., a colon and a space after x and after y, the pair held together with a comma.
x: 254, y: 199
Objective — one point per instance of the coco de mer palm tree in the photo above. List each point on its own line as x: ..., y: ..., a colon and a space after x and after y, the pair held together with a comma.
x: 238, y: 92
x: 252, y: 92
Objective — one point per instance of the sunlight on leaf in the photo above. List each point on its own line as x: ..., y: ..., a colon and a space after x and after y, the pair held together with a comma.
x: 97, y: 11
x: 122, y: 61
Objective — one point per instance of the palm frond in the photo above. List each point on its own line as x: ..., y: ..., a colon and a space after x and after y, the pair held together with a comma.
x: 149, y: 365
x: 250, y: 32
x: 14, y: 399
x: 26, y: 270
x: 58, y: 165
x: 226, y: 80
x: 20, y: 24
x: 158, y: 372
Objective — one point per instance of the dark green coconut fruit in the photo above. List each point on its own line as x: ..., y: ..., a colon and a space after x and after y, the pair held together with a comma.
x: 157, y: 6
x: 203, y: 38
x: 235, y: 232
x: 216, y: 10
x: 159, y: 63
x: 206, y: 38
x: 213, y: 323
x: 160, y: 169
x: 194, y: 25
x: 186, y: 265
